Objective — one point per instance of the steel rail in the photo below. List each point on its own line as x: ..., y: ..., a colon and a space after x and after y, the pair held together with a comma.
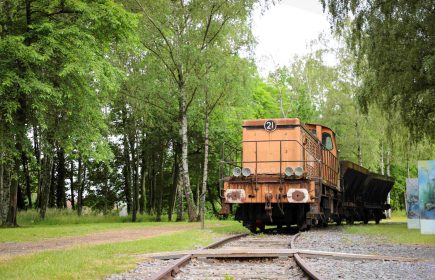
x: 302, y: 264
x: 171, y: 270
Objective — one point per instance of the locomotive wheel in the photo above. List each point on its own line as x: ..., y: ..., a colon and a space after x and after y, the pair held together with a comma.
x: 262, y: 228
x: 301, y: 219
x: 377, y: 219
x: 338, y: 221
x: 253, y: 228
x: 349, y: 221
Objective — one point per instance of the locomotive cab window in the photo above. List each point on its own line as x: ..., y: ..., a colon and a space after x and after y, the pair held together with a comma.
x: 327, y: 141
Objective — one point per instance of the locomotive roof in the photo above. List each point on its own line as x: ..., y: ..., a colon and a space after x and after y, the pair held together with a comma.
x: 280, y: 121
x: 260, y: 122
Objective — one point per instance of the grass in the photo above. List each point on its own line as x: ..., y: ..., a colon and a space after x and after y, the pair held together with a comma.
x: 68, y: 217
x: 396, y: 233
x: 60, y: 223
x: 95, y: 262
x: 35, y: 233
x: 396, y: 217
x: 395, y: 230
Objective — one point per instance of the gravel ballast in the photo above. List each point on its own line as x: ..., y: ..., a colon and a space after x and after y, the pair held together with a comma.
x: 336, y: 240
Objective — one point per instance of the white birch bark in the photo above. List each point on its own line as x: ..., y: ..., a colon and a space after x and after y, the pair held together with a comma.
x: 205, y: 171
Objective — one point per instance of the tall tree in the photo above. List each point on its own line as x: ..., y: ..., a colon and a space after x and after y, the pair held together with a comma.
x: 57, y: 73
x: 394, y: 39
x: 179, y: 34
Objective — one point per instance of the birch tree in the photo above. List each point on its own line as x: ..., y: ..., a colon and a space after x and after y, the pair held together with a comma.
x: 179, y: 34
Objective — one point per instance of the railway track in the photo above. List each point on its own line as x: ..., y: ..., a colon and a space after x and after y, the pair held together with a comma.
x: 238, y: 257
x: 262, y: 257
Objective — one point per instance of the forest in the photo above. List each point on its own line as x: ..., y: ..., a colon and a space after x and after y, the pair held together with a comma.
x: 108, y: 103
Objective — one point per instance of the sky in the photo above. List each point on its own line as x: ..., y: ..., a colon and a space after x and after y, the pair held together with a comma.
x: 285, y: 30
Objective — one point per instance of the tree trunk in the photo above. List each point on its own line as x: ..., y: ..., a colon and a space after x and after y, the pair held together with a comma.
x: 127, y: 176
x: 79, y: 188
x: 211, y: 199
x: 60, y: 192
x: 161, y: 185
x: 180, y: 212
x: 106, y: 190
x: 358, y: 138
x: 45, y: 181
x: 52, y: 197
x: 4, y: 195
x: 21, y: 203
x: 388, y: 174
x: 205, y: 170
x: 281, y: 105
x: 154, y: 190
x: 37, y: 151
x: 134, y: 171
x: 25, y: 162
x: 198, y: 196
x: 143, y: 175
x: 408, y: 148
x: 71, y: 179
x: 11, y: 218
x: 382, y: 165
x: 175, y: 175
x: 191, y: 207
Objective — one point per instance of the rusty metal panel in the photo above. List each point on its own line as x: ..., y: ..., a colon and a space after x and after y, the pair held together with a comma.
x: 269, y: 152
x: 256, y: 193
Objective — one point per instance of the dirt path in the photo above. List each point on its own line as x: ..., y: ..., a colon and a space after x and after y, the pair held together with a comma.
x: 8, y: 250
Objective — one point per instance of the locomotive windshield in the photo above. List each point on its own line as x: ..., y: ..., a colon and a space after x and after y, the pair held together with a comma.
x: 327, y: 140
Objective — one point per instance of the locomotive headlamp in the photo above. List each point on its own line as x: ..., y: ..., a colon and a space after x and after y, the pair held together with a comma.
x: 299, y: 171
x: 246, y: 171
x: 237, y: 171
x: 288, y: 171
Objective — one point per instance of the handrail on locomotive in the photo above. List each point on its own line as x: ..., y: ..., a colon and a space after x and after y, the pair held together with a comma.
x: 227, y: 161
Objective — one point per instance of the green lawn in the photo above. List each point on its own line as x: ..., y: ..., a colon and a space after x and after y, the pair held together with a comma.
x: 396, y: 217
x: 95, y: 262
x: 394, y: 229
x: 60, y: 223
x: 39, y: 232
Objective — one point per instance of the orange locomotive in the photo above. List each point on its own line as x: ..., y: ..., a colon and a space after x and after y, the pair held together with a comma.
x: 288, y: 172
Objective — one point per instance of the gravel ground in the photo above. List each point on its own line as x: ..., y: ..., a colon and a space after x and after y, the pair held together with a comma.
x: 331, y: 268
x: 214, y: 269
x: 334, y: 239
x: 260, y: 242
x: 330, y: 239
x: 144, y: 270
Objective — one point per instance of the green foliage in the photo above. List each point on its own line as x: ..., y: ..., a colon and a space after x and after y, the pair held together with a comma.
x: 59, y: 64
x: 393, y: 41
